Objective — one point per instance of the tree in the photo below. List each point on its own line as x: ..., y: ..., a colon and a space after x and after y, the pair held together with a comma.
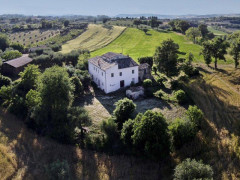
x: 56, y: 89
x: 4, y: 81
x: 206, y: 52
x: 145, y: 30
x: 192, y: 169
x: 154, y: 22
x: 29, y: 77
x: 12, y: 54
x: 182, y: 131
x: 182, y: 26
x: 124, y: 108
x: 4, y: 42
x: 235, y: 51
x: 148, y: 60
x: 192, y: 33
x: 203, y: 30
x: 137, y: 22
x: 150, y: 134
x: 66, y: 23
x: 51, y: 115
x: 166, y: 57
x: 17, y: 46
x: 216, y: 49
x: 127, y: 132
x: 190, y: 58
x: 195, y: 114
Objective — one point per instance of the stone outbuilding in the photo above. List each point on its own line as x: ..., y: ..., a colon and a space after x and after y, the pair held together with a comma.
x: 144, y: 72
x: 135, y: 92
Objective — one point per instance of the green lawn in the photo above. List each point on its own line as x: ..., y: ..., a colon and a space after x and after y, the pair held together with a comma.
x: 136, y: 43
x: 216, y: 32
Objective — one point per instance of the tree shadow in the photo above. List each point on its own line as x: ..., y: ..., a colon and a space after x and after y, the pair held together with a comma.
x: 33, y: 153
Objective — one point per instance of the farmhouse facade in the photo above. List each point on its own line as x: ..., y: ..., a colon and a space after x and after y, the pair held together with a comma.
x: 113, y: 71
x: 15, y: 66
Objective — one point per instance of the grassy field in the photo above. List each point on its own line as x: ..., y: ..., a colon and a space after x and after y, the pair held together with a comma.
x: 95, y: 37
x: 33, y: 37
x: 216, y: 32
x: 137, y: 44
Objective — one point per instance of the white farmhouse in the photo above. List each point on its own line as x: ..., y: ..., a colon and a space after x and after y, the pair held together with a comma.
x: 113, y: 71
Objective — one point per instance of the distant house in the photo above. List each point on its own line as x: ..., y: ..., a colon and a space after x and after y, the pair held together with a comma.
x: 113, y: 71
x: 15, y: 66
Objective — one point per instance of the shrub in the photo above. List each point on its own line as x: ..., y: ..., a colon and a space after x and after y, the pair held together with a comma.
x: 147, y: 83
x: 124, y: 108
x: 58, y: 170
x: 159, y: 94
x: 127, y: 132
x: 195, y: 114
x: 183, y: 78
x: 4, y: 81
x: 17, y: 46
x: 189, y: 70
x: 182, y: 131
x: 180, y: 96
x: 175, y: 84
x: 192, y: 169
x: 78, y: 86
x: 160, y: 80
x: 109, y: 127
x: 150, y: 134
x: 12, y: 54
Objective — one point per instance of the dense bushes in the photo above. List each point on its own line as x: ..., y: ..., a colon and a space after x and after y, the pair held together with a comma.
x: 195, y: 115
x: 45, y: 57
x: 4, y: 81
x: 182, y: 131
x: 147, y: 83
x: 180, y: 96
x: 150, y: 134
x: 192, y: 169
x: 17, y: 46
x: 127, y: 132
x: 124, y: 108
x: 11, y: 54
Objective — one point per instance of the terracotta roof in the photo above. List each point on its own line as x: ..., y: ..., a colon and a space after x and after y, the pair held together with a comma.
x: 111, y: 59
x: 19, y: 62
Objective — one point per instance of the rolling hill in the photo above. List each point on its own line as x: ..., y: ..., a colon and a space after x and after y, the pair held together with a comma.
x: 136, y: 43
x: 95, y: 37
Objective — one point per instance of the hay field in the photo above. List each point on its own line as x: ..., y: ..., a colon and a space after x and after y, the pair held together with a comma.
x: 95, y: 37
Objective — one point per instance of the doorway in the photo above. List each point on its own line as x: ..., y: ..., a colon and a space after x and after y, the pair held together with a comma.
x: 121, y: 83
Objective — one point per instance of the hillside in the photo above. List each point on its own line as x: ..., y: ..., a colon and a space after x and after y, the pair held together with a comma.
x: 24, y: 155
x: 33, y: 37
x: 136, y: 43
x: 95, y: 37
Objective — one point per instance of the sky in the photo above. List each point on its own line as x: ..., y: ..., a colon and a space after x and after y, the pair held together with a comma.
x: 115, y: 7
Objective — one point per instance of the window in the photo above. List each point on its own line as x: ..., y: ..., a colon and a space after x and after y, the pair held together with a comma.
x: 102, y: 84
x: 132, y: 71
x: 94, y: 68
x: 112, y: 74
x: 102, y: 73
x: 120, y: 74
x: 133, y: 80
